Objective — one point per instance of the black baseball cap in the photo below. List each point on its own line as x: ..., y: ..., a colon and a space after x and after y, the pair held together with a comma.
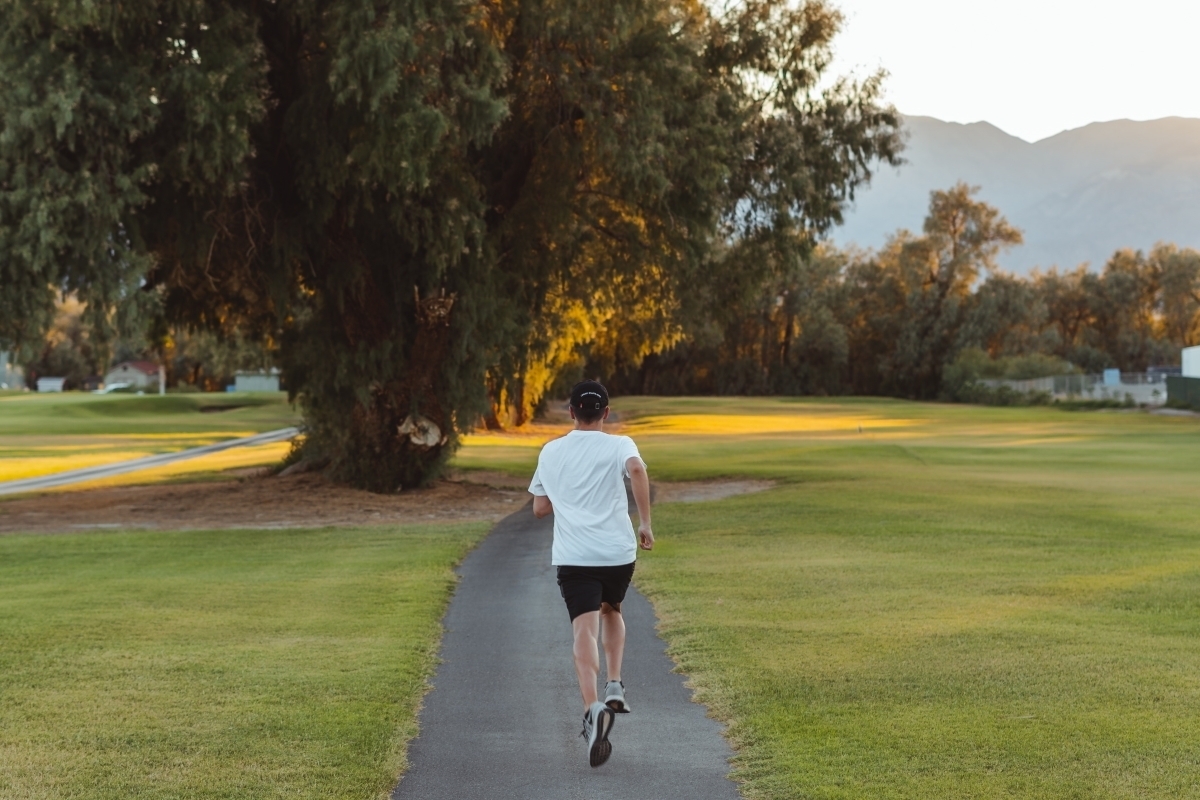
x: 589, y: 396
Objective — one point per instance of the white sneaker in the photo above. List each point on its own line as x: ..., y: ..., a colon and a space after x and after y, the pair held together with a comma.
x: 614, y: 697
x: 596, y: 725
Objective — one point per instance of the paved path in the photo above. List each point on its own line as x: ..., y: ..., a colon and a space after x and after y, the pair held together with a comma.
x: 504, y: 716
x: 121, y: 467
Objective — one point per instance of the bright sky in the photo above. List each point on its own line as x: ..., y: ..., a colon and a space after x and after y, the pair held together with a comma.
x: 1030, y: 67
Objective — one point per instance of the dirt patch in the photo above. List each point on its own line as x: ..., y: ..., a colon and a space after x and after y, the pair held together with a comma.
x: 496, y: 480
x: 251, y: 498
x: 700, y: 491
x: 256, y: 500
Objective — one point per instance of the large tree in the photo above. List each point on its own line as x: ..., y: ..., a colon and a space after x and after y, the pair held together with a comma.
x: 423, y: 202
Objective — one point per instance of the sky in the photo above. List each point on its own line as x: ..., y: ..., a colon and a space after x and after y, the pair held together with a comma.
x: 1032, y: 68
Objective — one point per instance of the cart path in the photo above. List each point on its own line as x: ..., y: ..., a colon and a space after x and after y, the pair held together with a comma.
x: 504, y: 715
x: 121, y: 467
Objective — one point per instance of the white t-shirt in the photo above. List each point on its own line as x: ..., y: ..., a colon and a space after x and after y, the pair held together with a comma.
x: 583, y: 474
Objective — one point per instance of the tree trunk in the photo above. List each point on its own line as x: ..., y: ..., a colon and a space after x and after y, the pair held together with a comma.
x: 398, y: 437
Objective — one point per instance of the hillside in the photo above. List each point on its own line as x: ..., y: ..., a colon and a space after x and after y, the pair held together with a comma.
x: 1078, y: 196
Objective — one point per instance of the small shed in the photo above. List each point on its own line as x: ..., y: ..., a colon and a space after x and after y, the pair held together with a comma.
x: 256, y: 381
x: 1191, y: 362
x: 1183, y: 391
x: 50, y: 384
x: 138, y: 374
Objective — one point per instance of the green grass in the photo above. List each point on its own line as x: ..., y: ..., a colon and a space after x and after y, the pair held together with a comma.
x: 81, y: 413
x: 953, y: 602
x: 233, y: 664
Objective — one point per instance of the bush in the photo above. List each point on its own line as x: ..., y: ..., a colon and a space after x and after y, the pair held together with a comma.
x: 981, y: 394
x: 1094, y: 405
x: 961, y: 380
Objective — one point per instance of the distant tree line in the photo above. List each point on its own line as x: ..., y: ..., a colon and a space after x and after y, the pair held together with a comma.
x: 923, y: 317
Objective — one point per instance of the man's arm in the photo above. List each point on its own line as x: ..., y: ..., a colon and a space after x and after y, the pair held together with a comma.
x: 639, y: 481
x: 541, y: 502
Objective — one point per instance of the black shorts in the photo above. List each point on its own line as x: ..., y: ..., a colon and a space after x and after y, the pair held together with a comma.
x: 585, y: 588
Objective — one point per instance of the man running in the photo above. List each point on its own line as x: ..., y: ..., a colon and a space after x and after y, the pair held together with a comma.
x: 580, y: 479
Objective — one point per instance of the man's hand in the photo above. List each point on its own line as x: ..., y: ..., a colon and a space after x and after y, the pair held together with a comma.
x: 645, y: 537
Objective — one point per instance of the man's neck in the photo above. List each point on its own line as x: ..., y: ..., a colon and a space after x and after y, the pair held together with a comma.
x: 598, y: 425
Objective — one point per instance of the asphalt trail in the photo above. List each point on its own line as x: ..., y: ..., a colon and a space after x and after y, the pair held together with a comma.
x: 148, y: 462
x: 504, y: 716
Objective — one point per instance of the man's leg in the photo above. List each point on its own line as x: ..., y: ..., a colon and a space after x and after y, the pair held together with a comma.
x: 587, y: 654
x: 612, y: 627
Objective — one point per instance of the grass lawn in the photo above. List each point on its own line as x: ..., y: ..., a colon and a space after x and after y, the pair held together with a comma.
x: 41, y: 434
x: 935, y: 601
x: 232, y: 664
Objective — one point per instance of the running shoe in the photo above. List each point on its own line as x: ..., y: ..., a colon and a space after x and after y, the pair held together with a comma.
x: 596, y: 725
x: 614, y: 697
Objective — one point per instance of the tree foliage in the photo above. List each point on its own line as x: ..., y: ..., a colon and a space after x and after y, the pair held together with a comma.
x: 928, y: 314
x: 67, y: 351
x: 642, y: 139
x: 928, y: 281
x: 436, y: 208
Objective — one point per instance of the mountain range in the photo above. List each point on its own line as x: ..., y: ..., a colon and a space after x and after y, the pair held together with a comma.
x: 1077, y: 196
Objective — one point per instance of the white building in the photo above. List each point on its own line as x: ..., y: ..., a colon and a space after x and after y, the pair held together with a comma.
x: 138, y: 374
x: 10, y: 374
x: 50, y: 384
x: 256, y: 381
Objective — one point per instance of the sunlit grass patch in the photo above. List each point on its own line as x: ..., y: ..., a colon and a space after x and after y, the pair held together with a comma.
x: 213, y: 466
x: 758, y: 424
x: 47, y: 434
x: 29, y: 460
x: 31, y: 463
x: 27, y: 465
x: 513, y: 452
